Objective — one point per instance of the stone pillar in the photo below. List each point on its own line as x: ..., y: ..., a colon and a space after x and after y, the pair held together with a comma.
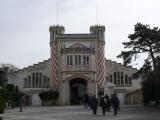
x: 67, y: 93
x: 64, y: 93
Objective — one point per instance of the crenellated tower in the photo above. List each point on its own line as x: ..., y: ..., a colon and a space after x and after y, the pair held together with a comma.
x: 54, y: 31
x: 100, y: 70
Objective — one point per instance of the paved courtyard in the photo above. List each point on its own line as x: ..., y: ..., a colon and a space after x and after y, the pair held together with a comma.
x: 78, y: 113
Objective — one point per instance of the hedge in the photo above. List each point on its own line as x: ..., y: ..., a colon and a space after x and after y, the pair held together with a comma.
x: 49, y: 95
x: 2, y: 105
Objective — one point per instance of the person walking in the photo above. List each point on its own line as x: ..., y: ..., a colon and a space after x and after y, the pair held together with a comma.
x: 86, y: 99
x: 94, y: 105
x: 103, y: 104
x: 115, y: 103
x: 108, y: 103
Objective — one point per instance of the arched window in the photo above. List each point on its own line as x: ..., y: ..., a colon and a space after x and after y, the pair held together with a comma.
x: 33, y: 80
x: 40, y: 79
x: 44, y: 81
x: 25, y: 82
x: 36, y: 79
x: 29, y: 81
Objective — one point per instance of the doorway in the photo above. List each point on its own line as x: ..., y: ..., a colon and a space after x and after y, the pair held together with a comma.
x: 78, y: 88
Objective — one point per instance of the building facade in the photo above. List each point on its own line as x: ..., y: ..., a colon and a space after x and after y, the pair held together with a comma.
x: 77, y: 66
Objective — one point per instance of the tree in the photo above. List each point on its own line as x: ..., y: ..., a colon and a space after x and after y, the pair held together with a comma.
x: 4, y: 69
x: 143, y: 40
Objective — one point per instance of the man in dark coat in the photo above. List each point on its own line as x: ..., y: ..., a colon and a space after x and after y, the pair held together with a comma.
x: 94, y: 105
x: 103, y: 104
x: 108, y: 103
x: 86, y: 99
x: 115, y: 103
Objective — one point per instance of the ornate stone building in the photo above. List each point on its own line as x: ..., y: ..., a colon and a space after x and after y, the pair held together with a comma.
x: 77, y: 66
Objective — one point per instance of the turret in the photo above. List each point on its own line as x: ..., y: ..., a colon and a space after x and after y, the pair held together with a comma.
x: 55, y: 30
x: 99, y: 30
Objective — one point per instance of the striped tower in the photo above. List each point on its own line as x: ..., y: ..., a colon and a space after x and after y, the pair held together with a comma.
x: 101, y: 63
x: 54, y: 31
x: 101, y: 70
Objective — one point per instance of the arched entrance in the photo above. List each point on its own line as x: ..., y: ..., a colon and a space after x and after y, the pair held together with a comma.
x: 78, y: 88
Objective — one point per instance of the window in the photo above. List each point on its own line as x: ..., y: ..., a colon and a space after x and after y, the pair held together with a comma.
x: 122, y: 82
x: 107, y: 79
x: 25, y: 82
x: 87, y: 60
x: 76, y: 59
x: 44, y: 81
x: 111, y: 79
x: 126, y: 79
x: 36, y: 79
x: 33, y: 79
x: 40, y: 79
x: 115, y: 80
x: 84, y: 59
x: 71, y: 60
x: 67, y: 59
x: 79, y: 59
x: 29, y: 81
x: 129, y: 80
x: 118, y: 75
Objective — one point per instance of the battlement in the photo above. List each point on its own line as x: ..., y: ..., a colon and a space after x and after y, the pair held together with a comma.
x: 95, y: 28
x: 99, y: 30
x: 55, y: 30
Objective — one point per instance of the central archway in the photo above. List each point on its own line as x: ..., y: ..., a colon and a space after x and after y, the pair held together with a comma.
x: 78, y: 88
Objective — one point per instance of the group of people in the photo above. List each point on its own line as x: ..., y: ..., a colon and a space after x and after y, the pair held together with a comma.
x: 104, y: 101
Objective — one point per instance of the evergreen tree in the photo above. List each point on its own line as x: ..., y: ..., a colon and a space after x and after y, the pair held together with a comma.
x: 145, y: 40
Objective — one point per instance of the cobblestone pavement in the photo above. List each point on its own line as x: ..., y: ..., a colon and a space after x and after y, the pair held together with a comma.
x: 78, y: 113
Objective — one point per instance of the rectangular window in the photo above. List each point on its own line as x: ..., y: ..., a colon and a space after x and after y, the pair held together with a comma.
x: 118, y: 76
x: 84, y: 59
x: 126, y: 79
x: 76, y: 59
x: 67, y: 59
x: 79, y: 59
x: 40, y: 79
x: 33, y: 79
x: 87, y: 62
x: 129, y: 80
x: 36, y: 79
x: 71, y: 60
x: 122, y: 82
x: 115, y: 78
x: 111, y: 79
x: 44, y: 81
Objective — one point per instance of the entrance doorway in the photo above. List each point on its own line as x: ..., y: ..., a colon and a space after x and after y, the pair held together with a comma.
x: 78, y: 88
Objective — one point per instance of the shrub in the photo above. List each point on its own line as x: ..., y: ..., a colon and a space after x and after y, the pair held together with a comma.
x: 2, y: 105
x: 49, y: 95
x: 10, y: 87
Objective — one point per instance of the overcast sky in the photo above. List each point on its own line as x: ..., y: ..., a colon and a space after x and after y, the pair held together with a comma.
x: 24, y: 25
